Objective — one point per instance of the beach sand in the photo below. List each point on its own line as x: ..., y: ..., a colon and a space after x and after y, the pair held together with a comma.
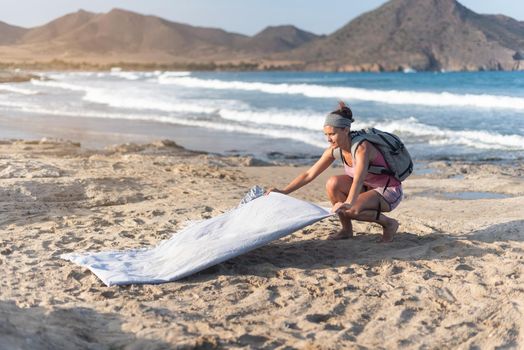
x: 452, y: 278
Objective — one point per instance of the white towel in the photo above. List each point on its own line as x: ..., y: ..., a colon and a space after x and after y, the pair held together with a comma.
x: 205, y: 243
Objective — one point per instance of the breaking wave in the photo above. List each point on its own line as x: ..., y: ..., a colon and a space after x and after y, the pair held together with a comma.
x: 382, y: 96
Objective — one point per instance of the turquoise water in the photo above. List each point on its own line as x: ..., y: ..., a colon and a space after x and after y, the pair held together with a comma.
x: 468, y: 116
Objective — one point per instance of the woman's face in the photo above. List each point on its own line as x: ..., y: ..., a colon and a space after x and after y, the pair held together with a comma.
x: 336, y: 136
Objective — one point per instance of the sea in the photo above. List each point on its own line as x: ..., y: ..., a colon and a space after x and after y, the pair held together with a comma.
x: 469, y: 116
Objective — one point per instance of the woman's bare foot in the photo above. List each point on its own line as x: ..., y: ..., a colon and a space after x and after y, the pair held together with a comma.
x: 346, y: 231
x: 389, y: 231
x: 342, y: 234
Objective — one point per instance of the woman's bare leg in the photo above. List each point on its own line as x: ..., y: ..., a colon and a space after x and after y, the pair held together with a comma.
x: 365, y: 209
x: 337, y: 189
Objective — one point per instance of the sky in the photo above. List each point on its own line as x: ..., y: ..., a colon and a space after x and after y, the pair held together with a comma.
x: 239, y: 16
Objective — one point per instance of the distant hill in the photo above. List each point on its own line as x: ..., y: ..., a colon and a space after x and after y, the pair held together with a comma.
x: 418, y: 34
x: 279, y: 38
x: 57, y: 28
x: 399, y: 35
x: 10, y: 34
x: 125, y: 35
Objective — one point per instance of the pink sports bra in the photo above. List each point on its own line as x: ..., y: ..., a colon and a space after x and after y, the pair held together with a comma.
x: 374, y: 180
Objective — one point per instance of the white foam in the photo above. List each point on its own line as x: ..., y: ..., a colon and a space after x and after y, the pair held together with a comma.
x: 440, y: 136
x: 296, y: 119
x: 17, y: 90
x: 62, y: 76
x: 142, y: 101
x: 314, y: 139
x: 151, y: 99
x: 59, y: 85
x: 302, y: 127
x: 126, y: 75
x: 348, y: 93
x: 172, y: 74
x: 132, y: 98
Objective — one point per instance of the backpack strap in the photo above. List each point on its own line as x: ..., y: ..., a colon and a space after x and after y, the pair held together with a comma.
x: 337, y: 154
x: 356, y: 141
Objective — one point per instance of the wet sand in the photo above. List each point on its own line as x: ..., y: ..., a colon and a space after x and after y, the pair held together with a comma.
x: 452, y: 277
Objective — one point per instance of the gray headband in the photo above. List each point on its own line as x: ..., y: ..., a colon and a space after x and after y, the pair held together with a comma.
x: 337, y: 121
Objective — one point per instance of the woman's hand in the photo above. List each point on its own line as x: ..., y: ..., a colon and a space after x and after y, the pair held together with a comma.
x: 273, y: 190
x: 341, y: 206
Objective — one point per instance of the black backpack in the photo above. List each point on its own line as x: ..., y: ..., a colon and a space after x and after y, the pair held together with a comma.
x: 392, y: 148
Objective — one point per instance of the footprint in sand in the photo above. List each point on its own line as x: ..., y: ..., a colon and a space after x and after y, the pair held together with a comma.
x: 333, y: 327
x: 78, y: 276
x: 6, y: 251
x: 108, y: 294
x: 406, y: 315
x: 464, y: 267
x: 439, y: 248
x: 158, y: 212
x: 67, y: 239
x: 126, y: 234
x: 395, y: 270
x: 291, y: 325
x: 252, y: 340
x: 139, y: 221
x: 318, y: 318
x: 118, y: 166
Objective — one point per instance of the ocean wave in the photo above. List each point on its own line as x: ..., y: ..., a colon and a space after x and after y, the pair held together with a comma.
x: 307, y: 137
x: 397, y: 97
x: 237, y: 116
x: 296, y: 135
x: 140, y: 102
x: 440, y: 136
x: 59, y: 85
x: 172, y: 74
x: 135, y: 99
x: 148, y: 100
x: 17, y: 90
x: 126, y: 75
x: 296, y: 119
x: 66, y: 75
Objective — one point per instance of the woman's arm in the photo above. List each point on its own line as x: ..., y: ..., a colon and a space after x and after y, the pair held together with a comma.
x: 306, y: 177
x: 364, y: 154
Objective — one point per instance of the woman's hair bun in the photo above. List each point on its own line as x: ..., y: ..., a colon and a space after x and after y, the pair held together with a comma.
x: 344, y: 111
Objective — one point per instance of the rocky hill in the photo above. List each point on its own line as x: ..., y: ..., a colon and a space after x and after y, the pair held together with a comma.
x: 54, y: 30
x: 127, y: 36
x: 279, y: 38
x: 10, y: 34
x: 399, y: 35
x: 421, y: 35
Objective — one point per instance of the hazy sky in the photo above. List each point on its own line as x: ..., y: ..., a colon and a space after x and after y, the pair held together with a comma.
x: 241, y: 16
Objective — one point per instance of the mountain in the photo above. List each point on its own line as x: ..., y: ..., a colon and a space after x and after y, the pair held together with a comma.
x: 279, y: 38
x: 418, y: 34
x: 125, y: 31
x: 399, y: 35
x: 10, y: 34
x: 55, y: 29
x: 127, y: 35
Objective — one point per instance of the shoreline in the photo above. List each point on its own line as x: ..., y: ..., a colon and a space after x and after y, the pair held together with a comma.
x: 98, y: 133
x: 15, y: 76
x: 451, y: 277
x: 243, y: 66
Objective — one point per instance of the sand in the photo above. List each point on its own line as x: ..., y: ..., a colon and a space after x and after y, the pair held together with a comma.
x: 15, y: 76
x: 452, y: 277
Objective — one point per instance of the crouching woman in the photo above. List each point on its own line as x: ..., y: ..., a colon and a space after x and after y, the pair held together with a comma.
x: 357, y: 194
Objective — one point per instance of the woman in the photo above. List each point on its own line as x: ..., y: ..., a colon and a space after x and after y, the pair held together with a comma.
x: 357, y: 195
